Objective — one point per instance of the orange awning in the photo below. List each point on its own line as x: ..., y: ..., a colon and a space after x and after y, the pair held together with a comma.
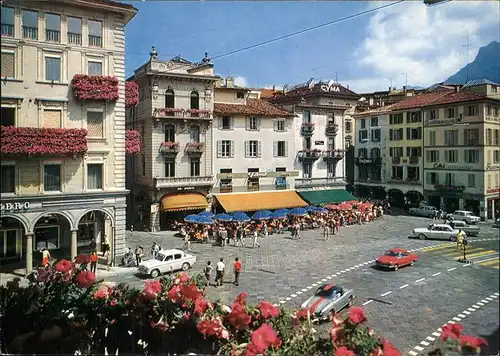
x: 260, y: 201
x: 187, y: 201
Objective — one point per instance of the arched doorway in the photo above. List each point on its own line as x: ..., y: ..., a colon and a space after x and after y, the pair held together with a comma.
x: 12, y: 241
x: 94, y: 225
x: 378, y: 193
x: 363, y: 191
x: 53, y: 232
x: 414, y: 198
x: 396, y: 198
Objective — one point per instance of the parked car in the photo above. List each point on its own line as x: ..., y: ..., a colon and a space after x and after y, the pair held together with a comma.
x: 423, y: 210
x: 497, y: 223
x: 436, y: 231
x: 167, y: 261
x: 464, y: 215
x: 328, y: 300
x: 470, y: 230
x: 395, y: 258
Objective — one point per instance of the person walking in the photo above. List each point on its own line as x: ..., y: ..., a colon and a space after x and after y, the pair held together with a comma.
x: 219, y: 273
x: 297, y: 231
x: 237, y: 270
x: 187, y: 241
x: 239, y: 237
x: 223, y: 236
x: 155, y: 249
x: 93, y: 261
x: 107, y: 257
x: 92, y: 245
x: 45, y: 257
x: 256, y: 239
x: 139, y: 253
x: 326, y: 232
x: 207, y: 271
x: 460, y: 238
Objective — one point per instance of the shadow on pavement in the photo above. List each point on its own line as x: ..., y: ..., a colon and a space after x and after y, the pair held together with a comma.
x: 267, y: 271
x: 381, y: 301
x: 493, y: 343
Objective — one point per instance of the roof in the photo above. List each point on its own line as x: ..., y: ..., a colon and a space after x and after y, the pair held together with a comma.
x: 475, y: 82
x: 436, y: 98
x: 113, y: 3
x: 377, y: 111
x: 256, y: 107
x: 267, y: 93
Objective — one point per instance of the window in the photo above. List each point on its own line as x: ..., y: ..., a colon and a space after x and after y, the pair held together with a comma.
x: 414, y: 173
x: 94, y: 176
x: 225, y: 148
x: 194, y: 133
x: 471, y: 110
x: 413, y: 151
x: 363, y: 135
x: 374, y: 121
x: 52, y: 118
x: 471, y: 137
x: 412, y: 117
x: 414, y: 134
x: 330, y: 170
x: 488, y: 110
x: 396, y: 135
x: 348, y: 126
x: 451, y: 137
x: 8, y: 65
x: 30, y: 24
x: 52, y: 28
x: 331, y: 143
x: 362, y: 153
x: 280, y: 125
x: 450, y: 156
x: 449, y: 179
x: 376, y: 135
x: 471, y: 180
x: 496, y: 156
x: 74, y: 30
x: 307, y: 170
x: 432, y: 138
x: 396, y: 119
x: 240, y: 95
x: 7, y: 22
x: 195, y: 100
x: 280, y: 149
x: 307, y: 143
x: 194, y: 167
x: 489, y: 137
x: 94, y: 67
x: 496, y: 137
x: 252, y: 148
x: 52, y: 177
x: 53, y: 69
x: 432, y: 178
x: 397, y: 172
x: 170, y: 168
x: 95, y: 33
x: 471, y: 156
x: 396, y: 151
x: 363, y: 123
x: 348, y: 142
x: 253, y: 180
x: 8, y: 179
x: 306, y: 116
x: 169, y: 99
x: 169, y: 133
x: 252, y: 123
x: 227, y: 123
x: 8, y: 117
x: 433, y: 115
x: 451, y: 113
x: 432, y: 156
x: 95, y: 124
x: 494, y: 89
x: 226, y: 182
x: 375, y: 153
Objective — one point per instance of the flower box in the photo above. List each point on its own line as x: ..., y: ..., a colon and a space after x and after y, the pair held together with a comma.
x: 198, y: 113
x: 169, y: 147
x: 131, y: 94
x: 307, y: 128
x: 194, y: 147
x: 132, y: 142
x: 42, y: 141
x: 95, y: 88
x: 168, y: 112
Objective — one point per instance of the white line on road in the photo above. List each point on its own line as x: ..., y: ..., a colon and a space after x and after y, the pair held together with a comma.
x: 324, y: 280
x: 481, y: 304
x: 472, y: 309
x: 288, y: 299
x: 457, y: 319
x: 466, y: 312
x: 425, y: 343
x: 489, y: 298
x: 282, y: 302
x: 304, y: 290
x: 293, y: 295
x: 430, y: 338
x: 419, y: 348
x: 368, y: 302
x: 467, y: 265
x: 406, y: 285
x: 383, y: 295
x: 420, y: 280
x: 451, y: 269
x: 338, y: 273
x: 436, y: 334
x: 462, y: 316
x: 299, y: 292
x: 436, y: 274
x: 412, y: 353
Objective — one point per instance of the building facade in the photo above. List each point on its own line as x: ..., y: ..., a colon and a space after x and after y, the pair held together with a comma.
x: 173, y: 175
x: 63, y: 149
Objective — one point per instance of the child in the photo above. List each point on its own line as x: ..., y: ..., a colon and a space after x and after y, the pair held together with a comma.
x: 93, y: 261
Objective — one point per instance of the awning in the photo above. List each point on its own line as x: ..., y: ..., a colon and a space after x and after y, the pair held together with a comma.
x: 260, y: 201
x: 188, y: 201
x: 329, y: 196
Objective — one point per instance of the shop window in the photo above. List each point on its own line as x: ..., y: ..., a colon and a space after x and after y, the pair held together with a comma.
x: 94, y: 176
x: 8, y: 117
x: 47, y: 237
x: 52, y: 177
x: 226, y: 183
x: 8, y: 179
x: 253, y: 179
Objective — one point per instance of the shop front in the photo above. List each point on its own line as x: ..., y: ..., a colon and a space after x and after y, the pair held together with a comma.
x: 249, y: 202
x: 492, y: 203
x: 174, y: 207
x: 325, y: 196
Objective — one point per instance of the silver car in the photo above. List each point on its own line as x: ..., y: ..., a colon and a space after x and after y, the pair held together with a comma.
x: 436, y: 232
x: 328, y: 300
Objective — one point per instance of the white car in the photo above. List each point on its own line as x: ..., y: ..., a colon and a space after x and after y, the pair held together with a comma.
x: 423, y: 210
x: 464, y: 215
x: 436, y: 231
x: 497, y: 223
x: 167, y: 261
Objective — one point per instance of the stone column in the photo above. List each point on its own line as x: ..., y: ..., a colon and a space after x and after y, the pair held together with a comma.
x: 29, y: 253
x: 74, y: 244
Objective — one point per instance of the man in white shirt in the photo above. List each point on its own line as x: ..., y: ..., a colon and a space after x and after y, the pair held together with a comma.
x: 219, y: 270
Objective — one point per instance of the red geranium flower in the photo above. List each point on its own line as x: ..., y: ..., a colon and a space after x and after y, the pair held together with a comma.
x: 85, y: 279
x: 200, y: 306
x: 263, y: 338
x: 238, y: 317
x: 343, y: 351
x: 301, y: 313
x: 472, y: 341
x: 268, y: 310
x: 356, y: 315
x: 389, y: 350
x: 152, y: 287
x: 210, y: 327
x: 63, y: 266
x: 240, y: 299
x: 451, y: 331
x: 174, y: 294
x: 82, y: 259
x: 100, y: 294
x: 181, y: 278
x: 190, y: 292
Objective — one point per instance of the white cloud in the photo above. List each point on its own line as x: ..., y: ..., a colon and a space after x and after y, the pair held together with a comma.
x: 241, y: 81
x: 426, y: 43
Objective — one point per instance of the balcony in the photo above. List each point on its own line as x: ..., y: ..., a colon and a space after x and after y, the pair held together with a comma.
x: 449, y: 188
x: 74, y: 38
x: 307, y: 129
x: 408, y: 181
x: 331, y: 129
x: 52, y: 36
x: 229, y: 188
x: 368, y: 161
x: 177, y: 113
x: 173, y: 182
x: 195, y: 148
x: 319, y: 182
x: 95, y: 41
x: 396, y: 160
x: 7, y: 30
x: 169, y: 149
x: 414, y: 160
x: 30, y: 33
x: 333, y: 155
x: 308, y: 155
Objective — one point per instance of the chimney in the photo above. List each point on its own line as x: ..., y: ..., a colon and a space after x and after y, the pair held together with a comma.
x: 229, y: 82
x: 457, y: 89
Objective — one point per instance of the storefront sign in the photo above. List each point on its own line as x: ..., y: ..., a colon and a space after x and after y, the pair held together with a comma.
x: 257, y: 175
x: 185, y: 188
x: 15, y: 206
x: 493, y: 190
x: 330, y: 87
x: 492, y: 167
x: 319, y: 143
x: 364, y: 160
x: 452, y: 166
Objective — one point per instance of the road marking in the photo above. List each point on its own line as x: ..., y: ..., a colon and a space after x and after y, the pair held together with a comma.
x: 485, y: 301
x: 436, y: 334
x: 406, y: 285
x: 419, y: 348
x: 430, y: 338
x: 481, y: 304
x: 309, y: 287
x: 493, y: 261
x: 383, y: 295
x: 282, y: 302
x: 476, y: 306
x: 338, y: 273
x: 436, y: 274
x: 304, y: 290
x: 438, y: 247
x: 368, y: 302
x: 488, y: 298
x: 299, y: 292
x: 420, y: 280
x: 462, y: 316
x: 457, y: 319
x: 450, y: 322
x: 412, y: 353
x: 467, y: 265
x: 439, y: 329
x: 466, y: 312
x: 451, y: 269
x: 497, y: 294
x: 293, y: 295
x: 324, y: 280
x: 471, y: 309
x: 425, y: 343
x: 482, y: 254
x: 288, y: 298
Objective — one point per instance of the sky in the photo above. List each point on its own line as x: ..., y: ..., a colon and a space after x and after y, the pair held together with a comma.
x: 408, y: 43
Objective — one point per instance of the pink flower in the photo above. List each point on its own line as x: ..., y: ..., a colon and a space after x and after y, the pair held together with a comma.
x: 200, y: 306
x: 268, y: 310
x: 356, y: 315
x: 451, y: 331
x: 152, y: 287
x: 472, y: 341
x: 263, y: 338
x: 343, y: 351
x: 238, y: 317
x: 85, y: 279
x: 100, y: 294
x: 113, y: 303
x: 63, y: 266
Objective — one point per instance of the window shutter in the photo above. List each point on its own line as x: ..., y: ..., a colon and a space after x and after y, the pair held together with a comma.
x: 247, y: 149
x: 437, y: 156
x: 275, y: 148
x: 285, y: 124
x: 231, y: 119
x: 219, y: 148
x: 408, y: 151
x: 259, y: 148
x: 258, y: 123
x: 247, y: 123
x: 390, y: 134
x: 286, y: 148
x: 391, y: 119
x: 232, y: 148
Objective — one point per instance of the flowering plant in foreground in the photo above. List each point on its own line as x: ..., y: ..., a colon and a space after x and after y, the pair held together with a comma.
x: 170, y: 315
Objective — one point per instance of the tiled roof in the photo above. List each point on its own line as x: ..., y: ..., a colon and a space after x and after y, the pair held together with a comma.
x: 266, y: 93
x: 256, y: 107
x: 461, y: 96
x: 474, y: 82
x: 436, y: 98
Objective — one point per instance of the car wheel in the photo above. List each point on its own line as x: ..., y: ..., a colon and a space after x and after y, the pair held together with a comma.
x: 351, y: 301
x: 396, y: 267
x: 155, y: 273
x: 412, y: 212
x: 422, y: 237
x: 185, y: 266
x: 412, y: 263
x: 453, y: 238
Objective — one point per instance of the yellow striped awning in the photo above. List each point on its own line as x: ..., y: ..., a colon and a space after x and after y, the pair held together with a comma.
x: 260, y: 201
x: 186, y: 201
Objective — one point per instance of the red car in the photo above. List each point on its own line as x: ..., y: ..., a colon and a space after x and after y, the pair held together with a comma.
x: 395, y: 258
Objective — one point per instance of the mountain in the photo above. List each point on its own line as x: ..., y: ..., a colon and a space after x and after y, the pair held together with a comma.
x: 485, y: 66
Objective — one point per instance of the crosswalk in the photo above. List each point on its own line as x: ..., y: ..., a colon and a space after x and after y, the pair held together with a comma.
x: 479, y: 256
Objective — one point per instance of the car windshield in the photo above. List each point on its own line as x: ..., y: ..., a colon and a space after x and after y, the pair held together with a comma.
x: 391, y: 253
x: 160, y: 257
x: 467, y: 213
x: 322, y: 292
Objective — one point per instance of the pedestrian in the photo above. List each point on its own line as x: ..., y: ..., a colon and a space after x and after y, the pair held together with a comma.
x: 45, y: 257
x: 460, y: 238
x: 155, y: 249
x: 256, y: 239
x: 237, y: 270
x: 239, y: 237
x: 105, y: 245
x: 297, y: 231
x: 107, y: 257
x: 92, y: 245
x: 223, y: 236
x: 93, y: 261
x: 138, y: 255
x: 207, y: 271
x: 187, y: 241
x: 219, y: 273
x: 326, y: 232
